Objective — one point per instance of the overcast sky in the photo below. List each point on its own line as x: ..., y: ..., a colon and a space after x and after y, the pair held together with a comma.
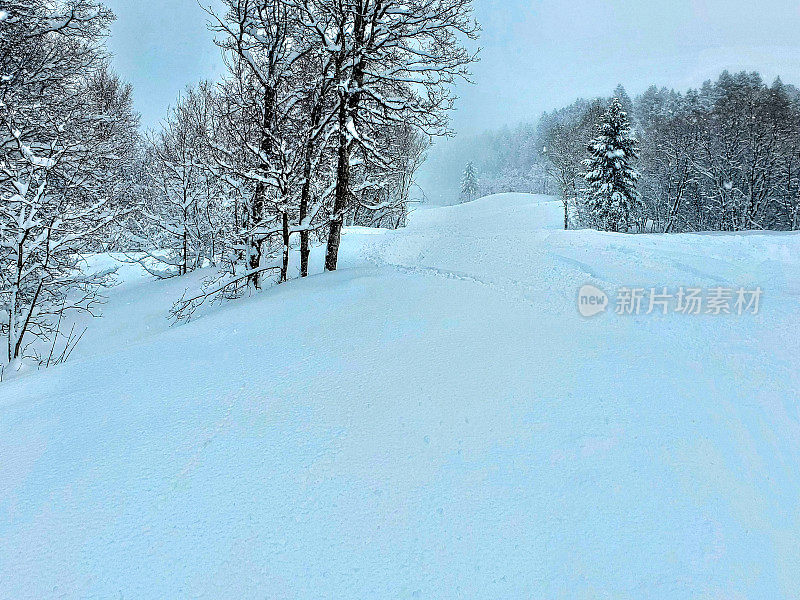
x: 161, y: 46
x: 537, y: 54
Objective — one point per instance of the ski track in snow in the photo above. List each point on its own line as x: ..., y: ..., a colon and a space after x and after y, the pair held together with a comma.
x: 435, y: 420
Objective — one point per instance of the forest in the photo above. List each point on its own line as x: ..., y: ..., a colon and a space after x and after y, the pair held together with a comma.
x: 724, y: 157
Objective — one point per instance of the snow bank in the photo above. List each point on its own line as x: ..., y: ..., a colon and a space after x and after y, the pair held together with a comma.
x: 435, y: 420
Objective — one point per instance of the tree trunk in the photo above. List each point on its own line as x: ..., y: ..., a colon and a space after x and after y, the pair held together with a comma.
x: 305, y: 252
x: 348, y: 108
x: 12, y: 316
x: 256, y: 215
x: 259, y: 196
x: 185, y: 251
x: 13, y: 346
x: 342, y: 187
x: 286, y: 240
x: 305, y: 194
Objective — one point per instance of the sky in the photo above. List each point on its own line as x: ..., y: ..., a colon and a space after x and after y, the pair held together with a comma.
x: 540, y: 55
x: 161, y: 47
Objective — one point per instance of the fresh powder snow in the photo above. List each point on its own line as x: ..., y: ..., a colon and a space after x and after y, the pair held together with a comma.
x: 434, y: 420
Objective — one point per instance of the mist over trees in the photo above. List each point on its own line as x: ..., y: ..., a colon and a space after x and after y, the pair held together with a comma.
x: 721, y: 157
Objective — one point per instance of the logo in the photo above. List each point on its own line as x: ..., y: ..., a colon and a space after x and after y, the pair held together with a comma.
x: 664, y: 301
x: 591, y: 301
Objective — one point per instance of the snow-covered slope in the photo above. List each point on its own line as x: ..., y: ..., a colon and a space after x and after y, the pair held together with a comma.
x: 435, y: 420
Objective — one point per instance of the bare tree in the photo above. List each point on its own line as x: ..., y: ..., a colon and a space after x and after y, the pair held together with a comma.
x: 564, y: 135
x: 392, y: 61
x: 262, y: 46
x: 179, y: 221
x: 66, y: 125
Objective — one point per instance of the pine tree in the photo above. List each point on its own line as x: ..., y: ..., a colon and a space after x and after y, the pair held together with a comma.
x: 621, y: 94
x: 469, y: 184
x: 612, y: 196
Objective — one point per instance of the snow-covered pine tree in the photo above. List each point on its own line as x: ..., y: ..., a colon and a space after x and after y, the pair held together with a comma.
x: 612, y: 197
x: 621, y: 94
x: 469, y: 183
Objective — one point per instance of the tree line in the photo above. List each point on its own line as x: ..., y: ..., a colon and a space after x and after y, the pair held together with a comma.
x: 722, y: 157
x: 321, y: 120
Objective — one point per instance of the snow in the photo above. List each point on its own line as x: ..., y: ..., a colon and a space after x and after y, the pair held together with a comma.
x: 434, y: 420
x: 37, y: 161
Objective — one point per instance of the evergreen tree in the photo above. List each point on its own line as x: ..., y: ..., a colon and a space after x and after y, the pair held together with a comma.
x: 612, y: 196
x: 621, y: 94
x: 469, y: 183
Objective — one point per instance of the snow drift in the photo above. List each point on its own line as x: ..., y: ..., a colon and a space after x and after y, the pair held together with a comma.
x: 435, y: 420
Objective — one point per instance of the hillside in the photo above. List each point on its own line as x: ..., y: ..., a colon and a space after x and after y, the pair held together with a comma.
x: 435, y: 420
